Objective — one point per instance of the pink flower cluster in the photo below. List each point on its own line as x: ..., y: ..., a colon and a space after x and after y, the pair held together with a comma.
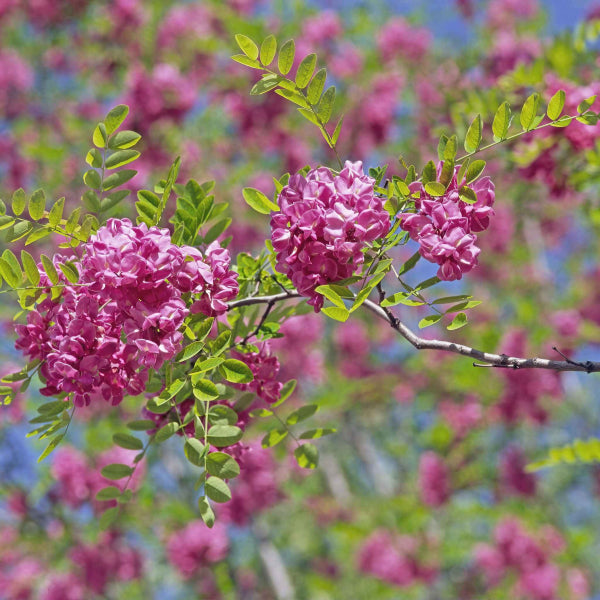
x: 196, y: 546
x: 324, y: 222
x: 100, y: 337
x: 78, y: 480
x: 445, y: 226
x: 255, y: 489
x: 434, y: 480
x: 394, y: 559
x: 265, y: 368
x: 514, y: 479
x: 531, y: 560
x: 524, y: 390
x: 110, y: 559
x: 398, y: 38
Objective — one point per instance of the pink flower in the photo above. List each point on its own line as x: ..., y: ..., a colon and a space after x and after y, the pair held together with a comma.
x: 265, y: 368
x: 100, y: 338
x: 63, y: 587
x: 196, y: 546
x: 434, y: 480
x: 445, y: 226
x: 323, y: 224
x: 513, y: 477
x: 398, y: 38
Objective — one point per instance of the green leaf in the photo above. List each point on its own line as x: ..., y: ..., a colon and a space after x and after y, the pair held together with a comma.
x: 312, y: 434
x: 501, y: 122
x: 401, y: 298
x: 466, y: 194
x: 220, y: 344
x: 91, y: 201
x: 247, y: 46
x: 475, y: 170
x: 429, y: 173
x: 120, y: 158
x: 205, y: 390
x: 307, y: 456
x: 216, y: 230
x: 295, y: 97
x: 222, y: 436
x: 316, y: 86
x: 190, y: 351
x: 258, y: 201
x: 451, y: 299
x: 222, y: 465
x: 248, y: 62
x: 586, y: 104
x: 474, y: 135
x: 122, y: 140
x: 37, y: 205
x: 9, y: 256
x: 116, y: 471
x: 336, y: 313
x: 303, y: 413
x: 286, y: 57
x: 305, y: 70
x: 100, y: 136
x: 18, y: 230
x: 217, y: 490
x: 56, y: 212
x: 430, y: 320
x: 194, y: 451
x: 562, y: 121
x: 286, y: 391
x: 274, y: 437
x: 70, y: 271
x: 128, y: 441
x: 54, y: 442
x: 529, y: 111
x: 8, y: 274
x: 236, y: 371
x: 94, y: 158
x: 19, y: 201
x: 556, y: 105
x: 450, y: 148
x: 141, y: 425
x: 30, y: 268
x: 268, y: 49
x: 409, y: 264
x: 115, y: 117
x: 336, y: 131
x: 108, y: 517
x: 434, y: 188
x: 206, y: 512
x: 164, y: 433
x: 460, y: 320
x: 202, y: 366
x: 326, y: 104
x: 171, y: 391
x: 332, y: 294
x: 6, y: 221
x: 116, y: 179
x: 108, y: 493
x: 266, y: 84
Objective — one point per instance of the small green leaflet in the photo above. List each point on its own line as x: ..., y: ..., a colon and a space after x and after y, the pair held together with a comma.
x: 258, y: 201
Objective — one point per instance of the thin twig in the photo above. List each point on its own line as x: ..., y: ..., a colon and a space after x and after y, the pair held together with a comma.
x: 491, y: 359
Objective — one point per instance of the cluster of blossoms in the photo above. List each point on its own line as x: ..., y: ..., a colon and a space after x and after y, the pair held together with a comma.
x: 265, y: 368
x: 525, y: 389
x: 445, y: 226
x: 538, y: 576
x: 101, y: 336
x: 434, y: 480
x: 394, y: 559
x: 323, y: 224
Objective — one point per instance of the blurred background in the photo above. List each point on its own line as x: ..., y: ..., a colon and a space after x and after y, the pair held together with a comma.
x: 422, y: 494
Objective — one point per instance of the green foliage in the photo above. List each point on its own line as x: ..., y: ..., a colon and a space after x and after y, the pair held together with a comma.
x: 580, y: 451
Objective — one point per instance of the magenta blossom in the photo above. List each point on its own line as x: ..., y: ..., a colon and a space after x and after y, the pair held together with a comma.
x: 324, y: 222
x: 445, y: 226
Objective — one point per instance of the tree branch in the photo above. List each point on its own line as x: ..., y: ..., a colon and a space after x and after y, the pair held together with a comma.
x: 486, y: 359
